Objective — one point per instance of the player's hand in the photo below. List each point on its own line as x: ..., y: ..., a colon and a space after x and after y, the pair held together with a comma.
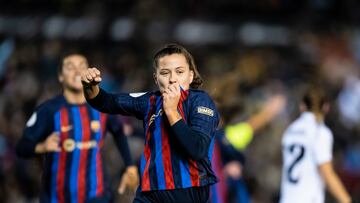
x: 129, y: 180
x: 91, y: 77
x: 233, y: 169
x: 171, y: 97
x: 51, y: 144
x: 275, y: 104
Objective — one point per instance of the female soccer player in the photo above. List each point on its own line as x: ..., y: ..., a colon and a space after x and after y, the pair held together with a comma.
x: 307, y: 154
x: 179, y: 125
x: 70, y: 134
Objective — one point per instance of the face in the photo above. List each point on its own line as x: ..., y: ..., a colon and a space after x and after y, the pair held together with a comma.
x: 173, y: 69
x: 70, y: 75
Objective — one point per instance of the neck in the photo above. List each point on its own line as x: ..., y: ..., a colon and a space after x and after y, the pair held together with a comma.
x: 319, y: 117
x: 74, y: 97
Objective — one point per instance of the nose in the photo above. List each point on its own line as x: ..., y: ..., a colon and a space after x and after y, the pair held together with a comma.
x: 173, y: 78
x: 78, y: 70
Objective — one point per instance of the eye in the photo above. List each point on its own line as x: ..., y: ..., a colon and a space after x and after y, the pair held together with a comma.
x: 164, y: 72
x: 70, y: 66
x: 83, y: 67
x: 180, y: 72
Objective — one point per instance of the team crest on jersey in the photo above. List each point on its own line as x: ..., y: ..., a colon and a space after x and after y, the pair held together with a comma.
x: 95, y: 126
x: 205, y: 111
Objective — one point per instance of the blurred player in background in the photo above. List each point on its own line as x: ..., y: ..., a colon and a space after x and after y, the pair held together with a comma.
x: 179, y: 122
x: 70, y: 134
x: 228, y: 159
x: 307, y: 155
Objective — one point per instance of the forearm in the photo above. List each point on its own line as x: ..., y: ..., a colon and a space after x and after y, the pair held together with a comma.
x: 194, y: 143
x: 337, y: 189
x: 123, y: 146
x: 259, y: 120
x: 25, y: 149
x: 40, y: 148
x: 333, y: 183
x: 173, y: 116
x: 100, y: 101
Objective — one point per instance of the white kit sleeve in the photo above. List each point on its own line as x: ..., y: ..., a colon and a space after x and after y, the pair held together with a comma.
x: 323, y: 145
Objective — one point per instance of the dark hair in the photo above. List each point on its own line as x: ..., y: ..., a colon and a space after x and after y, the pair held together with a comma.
x: 315, y: 98
x: 64, y: 56
x: 177, y: 49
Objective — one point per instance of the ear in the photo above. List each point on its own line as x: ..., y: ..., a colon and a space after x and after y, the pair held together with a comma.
x: 155, y: 78
x: 302, y: 107
x: 60, y: 78
x: 326, y: 108
x: 191, y: 76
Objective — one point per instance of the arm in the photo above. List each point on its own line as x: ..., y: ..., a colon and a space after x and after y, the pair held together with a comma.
x: 116, y: 129
x: 130, y: 179
x: 90, y: 80
x: 51, y: 144
x: 195, y: 143
x: 37, y: 137
x: 123, y: 104
x: 233, y: 160
x: 333, y: 183
x: 228, y: 151
x: 194, y: 138
x: 323, y: 157
x: 272, y: 107
x: 241, y: 134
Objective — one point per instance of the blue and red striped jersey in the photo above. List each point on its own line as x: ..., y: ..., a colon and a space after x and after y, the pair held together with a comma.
x: 165, y: 165
x: 75, y: 174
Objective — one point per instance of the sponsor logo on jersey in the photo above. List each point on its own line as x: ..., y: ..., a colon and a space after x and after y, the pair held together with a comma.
x: 70, y: 145
x: 152, y: 118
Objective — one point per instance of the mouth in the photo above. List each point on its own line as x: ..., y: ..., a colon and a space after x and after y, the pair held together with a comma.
x: 78, y: 79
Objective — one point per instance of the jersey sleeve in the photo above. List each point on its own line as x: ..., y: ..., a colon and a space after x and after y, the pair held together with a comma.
x: 195, y: 135
x: 323, y: 146
x: 204, y: 117
x: 123, y: 103
x: 37, y: 129
x: 115, y: 127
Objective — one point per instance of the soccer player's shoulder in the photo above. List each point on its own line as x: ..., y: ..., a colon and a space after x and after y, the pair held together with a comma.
x: 203, y: 102
x: 325, y: 131
x: 52, y: 103
x: 141, y: 94
x: 199, y: 95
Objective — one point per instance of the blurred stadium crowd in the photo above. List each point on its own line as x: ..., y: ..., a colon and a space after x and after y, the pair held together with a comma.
x: 245, y: 50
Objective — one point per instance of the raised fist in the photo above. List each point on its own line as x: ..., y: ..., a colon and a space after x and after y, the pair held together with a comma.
x: 91, y: 77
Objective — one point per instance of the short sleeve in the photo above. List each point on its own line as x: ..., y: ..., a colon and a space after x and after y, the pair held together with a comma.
x: 323, y: 146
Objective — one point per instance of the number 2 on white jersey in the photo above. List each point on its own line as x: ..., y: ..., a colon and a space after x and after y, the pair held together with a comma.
x: 298, y: 151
